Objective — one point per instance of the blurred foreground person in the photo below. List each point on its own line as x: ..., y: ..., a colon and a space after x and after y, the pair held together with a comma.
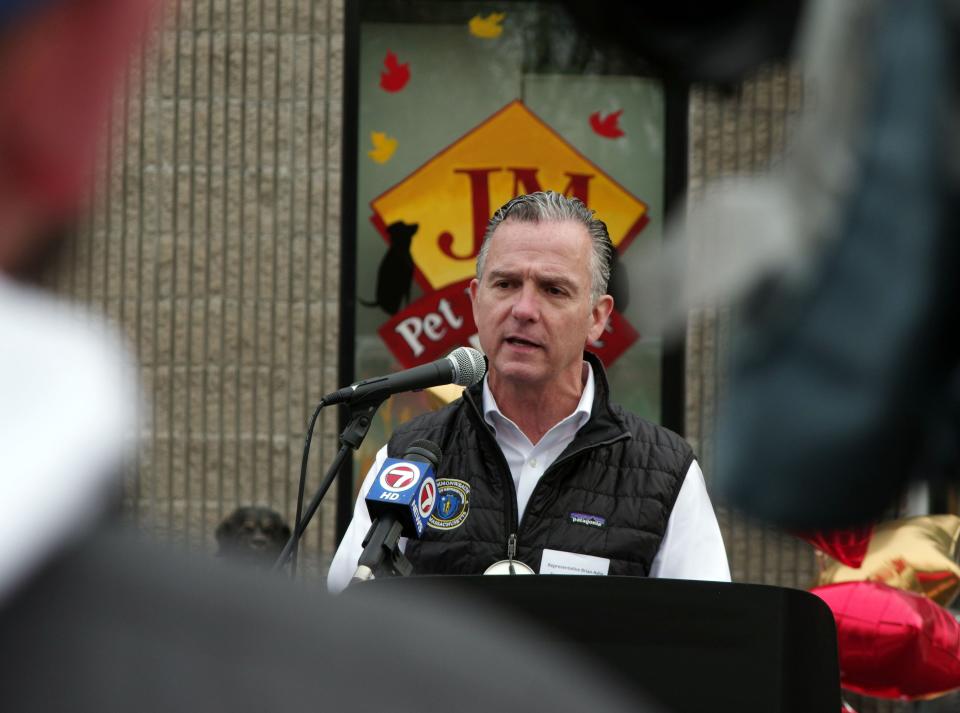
x: 843, y: 374
x: 844, y: 383
x: 68, y: 397
x: 94, y: 620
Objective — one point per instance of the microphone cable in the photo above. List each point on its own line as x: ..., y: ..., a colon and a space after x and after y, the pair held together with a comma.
x: 302, y: 485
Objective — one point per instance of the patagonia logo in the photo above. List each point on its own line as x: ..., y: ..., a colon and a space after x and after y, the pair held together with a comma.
x: 582, y: 518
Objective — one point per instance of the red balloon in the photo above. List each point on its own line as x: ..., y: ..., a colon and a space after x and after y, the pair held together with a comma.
x: 847, y: 546
x: 893, y: 644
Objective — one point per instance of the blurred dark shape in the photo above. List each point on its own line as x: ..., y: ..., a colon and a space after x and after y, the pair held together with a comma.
x: 11, y: 10
x: 114, y: 624
x: 59, y: 62
x: 252, y: 534
x: 844, y: 384
x: 619, y: 285
x: 717, y: 42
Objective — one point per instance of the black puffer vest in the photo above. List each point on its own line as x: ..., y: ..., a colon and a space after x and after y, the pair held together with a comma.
x: 623, y: 473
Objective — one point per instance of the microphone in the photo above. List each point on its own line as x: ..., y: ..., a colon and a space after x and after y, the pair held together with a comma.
x: 463, y: 366
x: 400, y: 501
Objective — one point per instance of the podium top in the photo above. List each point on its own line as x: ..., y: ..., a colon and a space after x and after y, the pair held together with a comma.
x: 693, y: 646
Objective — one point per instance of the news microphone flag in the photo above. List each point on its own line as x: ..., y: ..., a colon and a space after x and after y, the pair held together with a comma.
x: 405, y: 489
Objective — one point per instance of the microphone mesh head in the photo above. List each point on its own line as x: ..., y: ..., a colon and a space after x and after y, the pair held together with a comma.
x: 469, y: 364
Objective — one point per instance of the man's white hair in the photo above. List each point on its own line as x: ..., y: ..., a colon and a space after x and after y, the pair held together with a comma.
x: 549, y: 206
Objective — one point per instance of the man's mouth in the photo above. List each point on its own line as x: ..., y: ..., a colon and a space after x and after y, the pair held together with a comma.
x: 520, y: 342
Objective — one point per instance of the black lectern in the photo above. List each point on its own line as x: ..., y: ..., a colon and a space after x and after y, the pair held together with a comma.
x: 692, y: 646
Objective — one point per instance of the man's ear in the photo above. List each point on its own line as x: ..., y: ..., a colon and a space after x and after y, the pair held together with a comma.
x: 599, y: 314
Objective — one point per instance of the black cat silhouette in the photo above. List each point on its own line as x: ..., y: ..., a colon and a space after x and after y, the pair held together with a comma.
x: 395, y: 274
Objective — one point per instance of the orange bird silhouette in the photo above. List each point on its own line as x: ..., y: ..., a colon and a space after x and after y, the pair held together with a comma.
x: 396, y: 75
x: 609, y: 126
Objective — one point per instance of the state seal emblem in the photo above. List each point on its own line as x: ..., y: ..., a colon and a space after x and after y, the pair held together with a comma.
x: 453, y: 504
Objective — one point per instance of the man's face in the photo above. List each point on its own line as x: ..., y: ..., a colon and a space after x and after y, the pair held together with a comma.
x: 532, y: 306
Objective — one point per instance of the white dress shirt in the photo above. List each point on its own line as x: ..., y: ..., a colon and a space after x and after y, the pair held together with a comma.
x: 692, y: 547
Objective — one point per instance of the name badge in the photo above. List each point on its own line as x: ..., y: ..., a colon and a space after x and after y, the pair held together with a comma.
x: 557, y: 562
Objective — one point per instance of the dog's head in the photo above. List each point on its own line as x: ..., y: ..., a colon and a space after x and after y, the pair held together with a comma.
x: 252, y: 533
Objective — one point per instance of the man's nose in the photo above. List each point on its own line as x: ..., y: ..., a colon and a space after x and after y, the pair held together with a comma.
x: 527, y: 304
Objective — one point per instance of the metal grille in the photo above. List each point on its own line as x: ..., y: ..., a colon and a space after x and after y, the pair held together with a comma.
x: 744, y: 133
x: 213, y: 242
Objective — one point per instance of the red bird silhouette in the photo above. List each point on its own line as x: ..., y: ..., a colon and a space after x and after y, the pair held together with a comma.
x: 396, y: 76
x: 607, y: 127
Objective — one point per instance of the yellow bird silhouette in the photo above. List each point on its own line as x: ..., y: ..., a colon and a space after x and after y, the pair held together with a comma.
x: 489, y: 27
x: 383, y: 146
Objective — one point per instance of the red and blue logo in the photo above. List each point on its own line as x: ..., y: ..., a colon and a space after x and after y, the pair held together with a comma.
x: 427, y: 497
x: 399, y: 477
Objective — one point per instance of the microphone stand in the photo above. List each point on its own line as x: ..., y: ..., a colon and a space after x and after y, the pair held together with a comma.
x: 360, y: 418
x: 381, y: 556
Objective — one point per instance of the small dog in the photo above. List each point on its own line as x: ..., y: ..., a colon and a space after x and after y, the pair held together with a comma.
x: 252, y: 535
x: 395, y: 274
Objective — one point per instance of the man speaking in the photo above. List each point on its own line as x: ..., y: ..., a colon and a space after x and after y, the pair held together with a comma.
x: 539, y: 467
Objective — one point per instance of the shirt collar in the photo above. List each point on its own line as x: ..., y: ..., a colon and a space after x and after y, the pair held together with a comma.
x: 580, y: 415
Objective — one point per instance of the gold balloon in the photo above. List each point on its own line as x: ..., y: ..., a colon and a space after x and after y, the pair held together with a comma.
x: 916, y: 554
